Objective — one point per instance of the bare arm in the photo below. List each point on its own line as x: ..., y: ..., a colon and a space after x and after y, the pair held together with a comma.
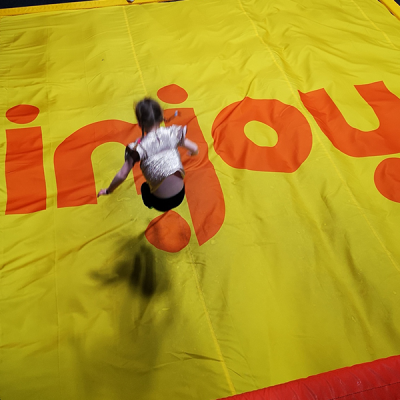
x: 191, y: 147
x: 121, y: 175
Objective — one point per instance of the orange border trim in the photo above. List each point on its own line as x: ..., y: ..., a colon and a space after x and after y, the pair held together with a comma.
x: 73, y: 6
x: 392, y: 6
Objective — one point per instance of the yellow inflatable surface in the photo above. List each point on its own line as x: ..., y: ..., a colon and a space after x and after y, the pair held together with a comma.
x: 283, y: 260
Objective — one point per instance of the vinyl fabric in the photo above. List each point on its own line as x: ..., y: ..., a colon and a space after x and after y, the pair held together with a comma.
x: 283, y: 260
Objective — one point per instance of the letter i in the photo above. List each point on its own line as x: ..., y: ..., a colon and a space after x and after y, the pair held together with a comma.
x: 25, y: 181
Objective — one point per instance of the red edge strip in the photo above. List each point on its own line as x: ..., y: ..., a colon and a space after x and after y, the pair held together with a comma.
x: 376, y: 380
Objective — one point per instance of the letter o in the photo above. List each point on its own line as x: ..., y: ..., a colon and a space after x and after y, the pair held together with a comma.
x: 294, y: 136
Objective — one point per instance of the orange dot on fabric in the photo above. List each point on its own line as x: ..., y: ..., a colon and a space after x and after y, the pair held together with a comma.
x: 22, y: 114
x: 168, y: 232
x: 172, y: 94
x: 387, y: 178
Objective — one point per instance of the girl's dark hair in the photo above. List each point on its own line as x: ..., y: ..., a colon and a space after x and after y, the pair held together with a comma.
x: 148, y: 113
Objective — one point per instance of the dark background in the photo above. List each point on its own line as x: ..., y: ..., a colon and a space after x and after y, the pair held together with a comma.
x: 26, y: 3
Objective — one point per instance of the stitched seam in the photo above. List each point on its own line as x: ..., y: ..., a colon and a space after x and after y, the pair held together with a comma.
x: 213, y: 335
x: 366, y: 390
x: 134, y: 51
x: 270, y: 51
x: 54, y: 231
x: 373, y: 24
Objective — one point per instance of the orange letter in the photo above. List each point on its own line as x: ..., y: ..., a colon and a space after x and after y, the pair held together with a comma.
x: 73, y: 164
x: 203, y: 190
x: 25, y: 181
x: 351, y: 141
x: 387, y: 178
x: 294, y: 136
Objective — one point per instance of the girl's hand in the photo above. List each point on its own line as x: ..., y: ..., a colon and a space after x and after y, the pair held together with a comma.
x: 191, y: 147
x: 103, y: 192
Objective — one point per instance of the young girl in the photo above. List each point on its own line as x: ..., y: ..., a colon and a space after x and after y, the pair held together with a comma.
x: 159, y: 158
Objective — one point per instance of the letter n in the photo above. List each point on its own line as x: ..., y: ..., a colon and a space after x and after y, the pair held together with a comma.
x: 73, y: 164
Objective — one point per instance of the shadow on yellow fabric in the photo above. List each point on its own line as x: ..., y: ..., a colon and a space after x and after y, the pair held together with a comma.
x: 282, y: 261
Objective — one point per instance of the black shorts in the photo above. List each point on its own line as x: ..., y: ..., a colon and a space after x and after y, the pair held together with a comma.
x: 158, y: 203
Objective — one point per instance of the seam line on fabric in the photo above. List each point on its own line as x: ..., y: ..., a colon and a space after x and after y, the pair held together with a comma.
x: 366, y: 390
x: 268, y: 48
x: 54, y: 233
x: 374, y: 25
x: 2, y: 266
x: 235, y: 330
x: 352, y: 197
x: 316, y: 134
x: 213, y: 335
x: 134, y: 51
